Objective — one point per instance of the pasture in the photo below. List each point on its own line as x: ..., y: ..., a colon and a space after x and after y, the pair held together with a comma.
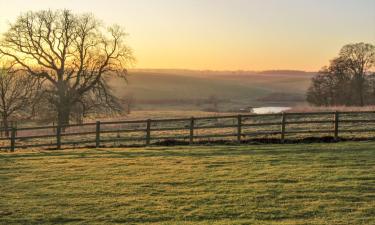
x: 237, y: 184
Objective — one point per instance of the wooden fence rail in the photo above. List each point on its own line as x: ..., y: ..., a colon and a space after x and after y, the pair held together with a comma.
x: 239, y: 128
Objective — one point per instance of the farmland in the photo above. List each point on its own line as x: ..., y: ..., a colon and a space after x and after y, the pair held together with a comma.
x: 238, y: 184
x: 175, y: 90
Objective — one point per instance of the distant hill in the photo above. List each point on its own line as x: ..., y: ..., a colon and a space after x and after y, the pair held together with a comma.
x: 287, y: 72
x: 185, y: 89
x: 220, y: 73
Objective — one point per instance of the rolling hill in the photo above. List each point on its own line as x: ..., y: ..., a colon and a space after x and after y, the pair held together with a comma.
x: 182, y: 89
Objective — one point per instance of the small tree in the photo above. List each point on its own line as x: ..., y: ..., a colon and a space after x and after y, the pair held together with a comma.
x: 214, y: 100
x: 18, y: 94
x: 129, y: 102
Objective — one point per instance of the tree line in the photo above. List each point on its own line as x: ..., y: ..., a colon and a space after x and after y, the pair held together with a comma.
x: 56, y: 64
x: 349, y: 80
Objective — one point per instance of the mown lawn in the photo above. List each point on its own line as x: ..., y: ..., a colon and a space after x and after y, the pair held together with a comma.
x: 259, y: 184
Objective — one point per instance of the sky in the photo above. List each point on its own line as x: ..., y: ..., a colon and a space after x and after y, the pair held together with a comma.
x: 225, y: 34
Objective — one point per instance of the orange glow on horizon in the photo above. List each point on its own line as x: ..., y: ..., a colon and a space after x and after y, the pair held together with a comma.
x: 226, y: 35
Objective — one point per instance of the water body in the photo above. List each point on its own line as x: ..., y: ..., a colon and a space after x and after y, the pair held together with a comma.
x: 266, y: 110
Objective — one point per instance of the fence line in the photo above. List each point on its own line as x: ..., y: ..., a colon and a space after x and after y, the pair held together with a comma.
x: 279, y: 123
x: 5, y: 132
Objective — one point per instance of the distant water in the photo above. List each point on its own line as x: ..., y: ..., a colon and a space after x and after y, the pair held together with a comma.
x: 266, y: 110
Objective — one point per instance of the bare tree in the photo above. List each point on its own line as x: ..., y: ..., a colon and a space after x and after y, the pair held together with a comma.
x: 214, y: 100
x: 18, y: 94
x: 371, y: 89
x: 359, y: 59
x: 347, y: 80
x: 72, y: 54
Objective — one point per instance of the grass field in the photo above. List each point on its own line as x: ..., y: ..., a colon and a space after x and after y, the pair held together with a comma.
x: 259, y: 184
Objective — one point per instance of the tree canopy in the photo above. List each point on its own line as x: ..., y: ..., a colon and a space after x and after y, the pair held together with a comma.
x: 348, y: 80
x: 72, y: 54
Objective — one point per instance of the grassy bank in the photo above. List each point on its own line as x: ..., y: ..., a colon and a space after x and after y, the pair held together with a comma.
x: 265, y: 184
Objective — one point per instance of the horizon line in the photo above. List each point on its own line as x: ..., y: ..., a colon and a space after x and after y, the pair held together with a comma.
x: 230, y: 70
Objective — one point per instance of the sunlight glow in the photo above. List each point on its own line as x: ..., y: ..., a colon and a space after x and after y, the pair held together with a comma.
x: 226, y: 35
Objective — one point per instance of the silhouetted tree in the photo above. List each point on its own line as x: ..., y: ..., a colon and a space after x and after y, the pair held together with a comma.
x: 371, y: 89
x: 72, y: 54
x: 18, y: 95
x: 346, y: 80
x: 358, y: 59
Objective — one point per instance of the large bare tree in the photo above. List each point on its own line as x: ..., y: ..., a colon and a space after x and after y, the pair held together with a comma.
x: 73, y: 54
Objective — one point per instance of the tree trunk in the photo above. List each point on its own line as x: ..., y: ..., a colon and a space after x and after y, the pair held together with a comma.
x: 361, y: 99
x: 360, y: 88
x: 360, y: 85
x: 6, y: 125
x: 128, y: 108
x: 63, y: 105
x: 63, y: 117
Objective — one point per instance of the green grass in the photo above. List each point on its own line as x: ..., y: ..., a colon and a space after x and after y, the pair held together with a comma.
x: 265, y: 184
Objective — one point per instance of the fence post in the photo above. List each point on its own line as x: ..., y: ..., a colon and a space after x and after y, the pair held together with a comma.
x: 283, y: 120
x: 58, y: 137
x: 191, y: 140
x: 239, y: 128
x: 336, y: 126
x: 97, y: 139
x: 148, y: 132
x: 13, y: 139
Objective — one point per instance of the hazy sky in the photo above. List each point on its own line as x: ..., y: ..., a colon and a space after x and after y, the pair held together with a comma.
x: 226, y: 34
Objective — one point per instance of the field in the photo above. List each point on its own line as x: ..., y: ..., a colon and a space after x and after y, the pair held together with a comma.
x: 175, y: 90
x: 255, y: 184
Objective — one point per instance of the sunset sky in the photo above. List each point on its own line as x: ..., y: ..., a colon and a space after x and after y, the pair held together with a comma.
x: 226, y: 34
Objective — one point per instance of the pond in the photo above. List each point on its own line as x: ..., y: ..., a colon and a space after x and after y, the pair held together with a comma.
x: 271, y: 109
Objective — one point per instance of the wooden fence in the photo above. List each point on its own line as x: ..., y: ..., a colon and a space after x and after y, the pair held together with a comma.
x: 3, y: 132
x: 238, y: 128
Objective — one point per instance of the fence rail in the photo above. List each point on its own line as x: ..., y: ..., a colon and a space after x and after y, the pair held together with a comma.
x: 235, y: 127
